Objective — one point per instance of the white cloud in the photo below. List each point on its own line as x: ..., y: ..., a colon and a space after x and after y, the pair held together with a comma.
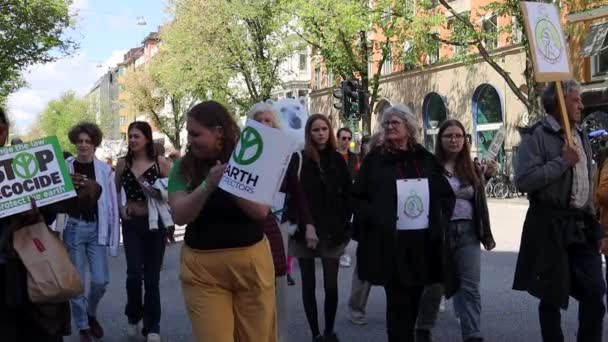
x: 49, y: 81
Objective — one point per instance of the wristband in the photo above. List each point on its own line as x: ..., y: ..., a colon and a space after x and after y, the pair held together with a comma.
x: 203, y: 186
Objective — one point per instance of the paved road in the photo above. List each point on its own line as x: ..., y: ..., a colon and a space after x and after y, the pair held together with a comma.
x: 507, y: 315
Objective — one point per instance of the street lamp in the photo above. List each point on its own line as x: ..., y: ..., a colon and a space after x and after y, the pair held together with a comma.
x: 141, y: 21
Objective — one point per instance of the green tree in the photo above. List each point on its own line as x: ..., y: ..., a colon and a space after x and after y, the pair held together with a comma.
x: 346, y: 35
x: 239, y: 44
x: 31, y: 32
x: 61, y: 114
x: 471, y: 36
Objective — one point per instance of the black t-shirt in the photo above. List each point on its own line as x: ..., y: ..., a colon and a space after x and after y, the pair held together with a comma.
x: 221, y: 223
x: 84, y: 210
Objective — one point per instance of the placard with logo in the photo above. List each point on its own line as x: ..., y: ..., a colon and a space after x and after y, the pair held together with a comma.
x: 34, y: 169
x: 258, y: 164
x: 547, y: 42
x: 413, y: 202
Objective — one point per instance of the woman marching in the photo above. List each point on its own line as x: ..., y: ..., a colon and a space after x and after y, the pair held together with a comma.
x: 144, y: 218
x: 402, y: 208
x: 327, y: 185
x: 227, y: 272
x: 469, y: 226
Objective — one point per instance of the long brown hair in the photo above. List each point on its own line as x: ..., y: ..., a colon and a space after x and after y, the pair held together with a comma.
x: 146, y: 130
x: 209, y: 114
x: 310, y: 149
x: 464, y: 168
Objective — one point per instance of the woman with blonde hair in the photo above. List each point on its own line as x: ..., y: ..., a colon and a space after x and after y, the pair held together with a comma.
x: 291, y: 208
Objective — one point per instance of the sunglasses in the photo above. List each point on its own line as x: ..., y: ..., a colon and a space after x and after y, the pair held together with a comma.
x: 347, y: 138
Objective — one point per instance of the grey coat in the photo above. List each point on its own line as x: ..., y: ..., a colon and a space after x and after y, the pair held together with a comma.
x: 542, y: 173
x: 542, y: 263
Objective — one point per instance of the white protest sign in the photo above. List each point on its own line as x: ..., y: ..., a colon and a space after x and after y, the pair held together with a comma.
x: 497, y: 142
x: 547, y: 42
x: 413, y: 204
x: 258, y: 164
x: 34, y: 169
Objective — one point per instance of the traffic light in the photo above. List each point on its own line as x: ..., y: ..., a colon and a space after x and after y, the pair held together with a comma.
x: 349, y: 96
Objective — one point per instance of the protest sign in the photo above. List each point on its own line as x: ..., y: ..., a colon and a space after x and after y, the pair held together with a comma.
x: 35, y: 169
x: 497, y: 142
x: 549, y: 50
x: 258, y: 164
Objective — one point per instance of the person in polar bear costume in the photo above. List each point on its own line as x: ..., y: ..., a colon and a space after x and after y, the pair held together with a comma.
x: 292, y: 114
x: 290, y: 211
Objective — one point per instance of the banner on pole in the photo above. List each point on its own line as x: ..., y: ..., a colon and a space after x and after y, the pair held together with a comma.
x: 34, y: 169
x: 548, y: 44
x: 258, y: 164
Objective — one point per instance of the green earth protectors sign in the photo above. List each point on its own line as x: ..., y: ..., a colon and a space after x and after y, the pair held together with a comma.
x: 36, y: 170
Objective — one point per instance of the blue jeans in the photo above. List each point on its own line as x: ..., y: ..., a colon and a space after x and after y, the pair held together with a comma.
x: 80, y: 238
x: 467, y: 255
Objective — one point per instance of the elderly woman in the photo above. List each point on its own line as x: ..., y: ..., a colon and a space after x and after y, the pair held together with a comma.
x: 402, y: 209
x: 291, y: 209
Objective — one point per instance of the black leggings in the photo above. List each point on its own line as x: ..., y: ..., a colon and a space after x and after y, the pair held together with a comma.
x: 330, y: 281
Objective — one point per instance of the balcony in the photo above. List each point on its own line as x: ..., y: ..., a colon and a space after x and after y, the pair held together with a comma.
x: 460, y: 6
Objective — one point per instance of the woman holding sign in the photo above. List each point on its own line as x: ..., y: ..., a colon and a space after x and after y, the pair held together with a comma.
x: 327, y: 185
x: 469, y: 226
x: 227, y: 273
x: 20, y: 319
x: 142, y: 230
x: 402, y: 207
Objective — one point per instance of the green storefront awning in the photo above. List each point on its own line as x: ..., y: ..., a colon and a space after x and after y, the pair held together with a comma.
x: 596, y: 39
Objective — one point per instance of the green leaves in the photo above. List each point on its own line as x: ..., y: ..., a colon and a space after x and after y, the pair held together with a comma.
x: 31, y: 32
x: 61, y: 115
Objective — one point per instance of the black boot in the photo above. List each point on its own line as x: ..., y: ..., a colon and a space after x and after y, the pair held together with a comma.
x: 423, y: 335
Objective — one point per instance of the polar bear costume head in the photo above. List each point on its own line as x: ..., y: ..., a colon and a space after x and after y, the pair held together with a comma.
x: 293, y: 115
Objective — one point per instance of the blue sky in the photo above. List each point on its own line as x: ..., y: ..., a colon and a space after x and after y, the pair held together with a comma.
x: 105, y: 29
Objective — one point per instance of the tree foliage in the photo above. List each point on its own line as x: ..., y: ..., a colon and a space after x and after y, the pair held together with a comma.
x: 239, y: 44
x: 347, y: 36
x: 61, y: 114
x: 31, y: 32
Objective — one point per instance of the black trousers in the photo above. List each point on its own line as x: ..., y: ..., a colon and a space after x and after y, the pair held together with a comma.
x: 144, y: 251
x: 402, y: 304
x: 18, y: 325
x: 588, y: 287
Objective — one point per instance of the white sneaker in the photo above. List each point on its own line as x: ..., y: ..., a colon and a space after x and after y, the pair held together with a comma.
x: 153, y: 337
x: 133, y: 331
x: 345, y: 260
x: 442, y: 305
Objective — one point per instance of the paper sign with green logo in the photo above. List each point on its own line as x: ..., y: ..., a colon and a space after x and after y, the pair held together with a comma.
x: 258, y: 164
x: 35, y: 169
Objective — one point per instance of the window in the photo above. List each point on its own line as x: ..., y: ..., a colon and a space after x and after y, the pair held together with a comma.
x: 303, y: 62
x: 289, y: 94
x: 317, y: 78
x: 330, y: 78
x: 516, y: 31
x: 302, y: 93
x: 387, y: 67
x: 487, y: 115
x: 490, y: 29
x: 434, y: 113
x: 433, y: 56
x: 370, y: 67
x: 452, y: 27
x: 599, y: 63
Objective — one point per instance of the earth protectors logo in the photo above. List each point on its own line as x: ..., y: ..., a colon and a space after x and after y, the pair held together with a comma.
x: 248, y: 151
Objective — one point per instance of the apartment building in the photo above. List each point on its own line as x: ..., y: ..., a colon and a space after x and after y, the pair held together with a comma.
x: 474, y: 93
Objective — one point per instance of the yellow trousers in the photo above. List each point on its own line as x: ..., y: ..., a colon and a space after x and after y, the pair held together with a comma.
x: 230, y: 293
